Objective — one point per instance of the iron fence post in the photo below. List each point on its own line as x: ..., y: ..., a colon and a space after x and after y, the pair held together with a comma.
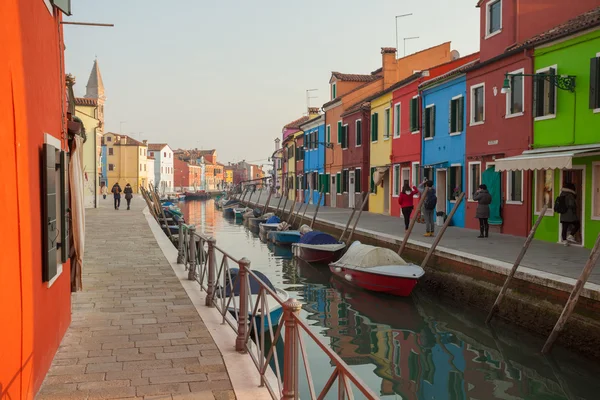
x: 180, y: 244
x: 212, y: 269
x: 240, y: 341
x: 192, y: 253
x: 290, y: 351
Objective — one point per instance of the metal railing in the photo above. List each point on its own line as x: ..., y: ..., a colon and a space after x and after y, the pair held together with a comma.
x: 249, y: 315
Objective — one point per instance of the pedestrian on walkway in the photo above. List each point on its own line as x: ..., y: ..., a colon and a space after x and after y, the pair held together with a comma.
x: 568, y: 213
x: 116, y: 191
x: 429, y: 207
x: 484, y: 199
x: 406, y: 202
x: 128, y: 195
x: 103, y: 190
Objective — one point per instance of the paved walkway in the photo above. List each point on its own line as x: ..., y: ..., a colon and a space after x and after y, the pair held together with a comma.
x: 543, y: 256
x: 135, y: 334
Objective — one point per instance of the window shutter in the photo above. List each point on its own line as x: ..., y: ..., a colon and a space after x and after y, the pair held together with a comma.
x: 338, y: 182
x: 50, y: 234
x: 376, y: 127
x: 372, y: 127
x: 536, y: 96
x: 64, y: 206
x: 594, y: 83
x: 357, y: 180
x: 432, y: 127
x: 552, y: 92
x: 327, y: 183
x: 425, y: 122
x: 451, y: 117
x: 339, y: 132
x: 460, y: 116
x: 411, y: 113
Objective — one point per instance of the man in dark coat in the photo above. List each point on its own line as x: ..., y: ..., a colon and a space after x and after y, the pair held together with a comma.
x: 484, y: 199
x: 128, y: 195
x: 569, y: 219
x: 116, y: 191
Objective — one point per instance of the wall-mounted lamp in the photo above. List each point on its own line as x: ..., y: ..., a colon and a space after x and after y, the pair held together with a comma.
x: 564, y: 82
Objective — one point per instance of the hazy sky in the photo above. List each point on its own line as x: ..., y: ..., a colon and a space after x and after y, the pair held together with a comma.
x: 229, y: 74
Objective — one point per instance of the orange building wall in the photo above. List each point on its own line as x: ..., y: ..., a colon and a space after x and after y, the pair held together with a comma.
x: 423, y: 60
x: 34, y: 317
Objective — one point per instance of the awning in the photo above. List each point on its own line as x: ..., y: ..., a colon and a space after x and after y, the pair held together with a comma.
x: 551, y: 158
x: 378, y: 174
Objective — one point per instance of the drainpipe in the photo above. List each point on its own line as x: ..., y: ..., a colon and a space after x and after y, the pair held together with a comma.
x: 530, y: 145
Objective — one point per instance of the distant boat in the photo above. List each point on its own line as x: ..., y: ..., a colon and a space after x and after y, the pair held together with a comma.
x: 198, y: 195
x: 318, y: 247
x: 377, y: 269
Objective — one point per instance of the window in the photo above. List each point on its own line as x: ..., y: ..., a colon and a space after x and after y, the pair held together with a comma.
x: 474, y: 178
x: 397, y: 120
x: 344, y: 136
x: 110, y: 151
x: 345, y: 181
x: 357, y: 181
x: 333, y: 90
x: 428, y: 173
x: 455, y: 184
x: 358, y: 133
x: 477, y: 104
x: 596, y: 190
x: 516, y: 97
x: 514, y: 186
x: 165, y: 154
x: 396, y: 185
x: 387, y: 123
x: 414, y: 114
x: 544, y: 94
x: 144, y: 167
x: 429, y: 122
x: 415, y: 178
x: 457, y: 106
x: 328, y: 133
x: 140, y: 167
x: 544, y: 190
x: 405, y: 177
x: 109, y: 138
x: 373, y: 188
x: 374, y: 126
x: 111, y: 167
x: 494, y: 17
x: 595, y: 83
x: 338, y: 182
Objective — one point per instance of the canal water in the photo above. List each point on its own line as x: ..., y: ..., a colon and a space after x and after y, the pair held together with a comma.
x: 422, y: 347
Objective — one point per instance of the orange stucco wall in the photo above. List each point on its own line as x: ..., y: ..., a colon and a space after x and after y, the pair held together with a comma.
x: 34, y: 317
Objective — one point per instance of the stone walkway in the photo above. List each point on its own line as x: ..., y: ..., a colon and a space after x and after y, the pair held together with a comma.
x: 135, y: 334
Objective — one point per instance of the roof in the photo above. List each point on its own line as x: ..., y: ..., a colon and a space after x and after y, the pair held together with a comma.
x: 95, y: 87
x: 296, y: 123
x: 356, y: 107
x: 353, y: 77
x: 584, y: 21
x: 311, y: 120
x: 83, y: 101
x: 124, y: 140
x: 156, y: 146
x: 450, y: 74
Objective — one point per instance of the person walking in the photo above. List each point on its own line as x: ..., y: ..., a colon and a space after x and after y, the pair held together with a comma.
x: 406, y: 202
x: 484, y: 199
x: 128, y: 195
x: 116, y: 191
x: 104, y: 190
x: 429, y: 207
x: 567, y: 207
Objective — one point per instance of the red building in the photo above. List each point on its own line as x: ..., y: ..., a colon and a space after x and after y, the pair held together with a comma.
x: 186, y: 176
x: 35, y: 274
x: 503, y: 124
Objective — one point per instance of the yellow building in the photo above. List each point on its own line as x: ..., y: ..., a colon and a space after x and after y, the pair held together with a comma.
x: 127, y: 161
x: 229, y: 176
x: 290, y: 149
x: 381, y: 150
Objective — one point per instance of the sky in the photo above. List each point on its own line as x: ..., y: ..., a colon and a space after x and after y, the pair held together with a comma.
x: 230, y: 74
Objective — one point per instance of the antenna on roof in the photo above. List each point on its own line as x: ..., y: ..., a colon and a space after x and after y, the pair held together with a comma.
x: 408, y: 38
x: 399, y: 16
x: 308, y: 97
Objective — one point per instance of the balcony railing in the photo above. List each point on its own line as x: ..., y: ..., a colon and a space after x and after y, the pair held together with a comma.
x: 246, y: 314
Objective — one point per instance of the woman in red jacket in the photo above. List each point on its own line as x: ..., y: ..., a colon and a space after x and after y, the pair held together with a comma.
x: 406, y: 202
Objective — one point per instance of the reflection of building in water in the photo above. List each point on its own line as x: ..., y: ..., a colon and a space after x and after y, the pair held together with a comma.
x: 200, y: 213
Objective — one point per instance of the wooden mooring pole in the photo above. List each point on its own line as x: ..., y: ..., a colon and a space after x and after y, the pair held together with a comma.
x: 317, y: 210
x: 291, y: 212
x: 516, y: 265
x: 362, y: 207
x: 438, y: 238
x: 413, y: 221
x: 572, y: 302
x: 283, y: 208
x: 266, y: 207
x: 278, y: 204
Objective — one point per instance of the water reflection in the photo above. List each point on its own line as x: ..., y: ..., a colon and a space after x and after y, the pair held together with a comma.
x: 411, y: 348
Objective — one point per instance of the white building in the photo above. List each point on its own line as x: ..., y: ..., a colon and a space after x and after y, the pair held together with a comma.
x: 163, y: 166
x: 150, y: 171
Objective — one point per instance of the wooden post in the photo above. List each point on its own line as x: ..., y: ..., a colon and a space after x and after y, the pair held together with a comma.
x: 516, y: 264
x: 362, y: 207
x: 413, y: 221
x: 303, y: 214
x: 572, y: 302
x: 283, y: 208
x: 297, y: 213
x: 266, y: 208
x: 347, y: 224
x: 278, y: 204
x: 249, y: 197
x: 438, y: 238
x: 291, y: 212
x: 164, y: 219
x: 317, y: 210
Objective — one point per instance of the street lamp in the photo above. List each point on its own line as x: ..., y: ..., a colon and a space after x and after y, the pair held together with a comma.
x: 564, y: 82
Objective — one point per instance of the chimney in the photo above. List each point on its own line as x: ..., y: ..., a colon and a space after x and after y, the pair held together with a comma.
x: 388, y: 65
x: 277, y: 141
x: 313, y: 112
x: 145, y: 142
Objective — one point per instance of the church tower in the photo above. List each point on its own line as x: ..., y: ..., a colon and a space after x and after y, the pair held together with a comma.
x: 95, y: 90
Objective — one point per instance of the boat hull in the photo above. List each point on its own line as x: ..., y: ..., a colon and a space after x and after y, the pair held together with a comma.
x: 254, y: 223
x: 396, y: 286
x: 264, y: 229
x: 284, y: 238
x: 264, y: 322
x: 317, y: 255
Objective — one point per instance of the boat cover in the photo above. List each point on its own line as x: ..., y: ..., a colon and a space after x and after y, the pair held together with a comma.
x: 254, y: 285
x: 365, y: 256
x: 231, y: 201
x: 257, y: 212
x: 316, y: 237
x: 304, y: 229
x: 273, y: 220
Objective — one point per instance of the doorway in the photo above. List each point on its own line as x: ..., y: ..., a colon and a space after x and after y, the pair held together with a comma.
x: 333, y: 190
x: 441, y: 188
x: 351, y: 190
x: 386, y: 193
x: 576, y: 176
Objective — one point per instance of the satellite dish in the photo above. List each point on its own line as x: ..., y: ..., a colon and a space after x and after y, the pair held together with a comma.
x: 455, y: 55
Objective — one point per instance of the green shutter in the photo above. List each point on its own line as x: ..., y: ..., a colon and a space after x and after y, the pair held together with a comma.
x: 372, y: 188
x: 432, y: 127
x: 338, y: 182
x: 594, y: 83
x: 339, y: 132
x: 552, y: 92
x: 64, y: 206
x: 357, y: 180
x: 451, y: 117
x: 461, y: 111
x: 49, y: 237
x: 358, y: 133
x: 328, y: 134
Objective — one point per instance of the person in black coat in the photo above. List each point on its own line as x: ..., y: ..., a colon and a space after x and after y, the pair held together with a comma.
x: 484, y: 199
x: 116, y: 191
x: 128, y: 195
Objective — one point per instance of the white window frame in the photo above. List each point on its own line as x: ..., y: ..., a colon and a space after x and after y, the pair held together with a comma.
x: 458, y: 116
x: 397, y: 126
x: 550, y: 210
x: 549, y: 116
x: 508, y: 186
x: 508, y: 96
x: 470, y: 183
x: 396, y: 188
x: 356, y: 132
x: 415, y: 167
x: 472, y: 104
x: 430, y: 137
x: 388, y: 124
x: 592, y: 216
x: 487, y: 19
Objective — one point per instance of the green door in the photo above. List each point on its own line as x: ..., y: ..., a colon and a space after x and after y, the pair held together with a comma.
x: 491, y: 179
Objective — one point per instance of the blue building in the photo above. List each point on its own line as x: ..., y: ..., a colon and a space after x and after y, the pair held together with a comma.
x: 314, y: 158
x: 104, y: 165
x: 444, y: 142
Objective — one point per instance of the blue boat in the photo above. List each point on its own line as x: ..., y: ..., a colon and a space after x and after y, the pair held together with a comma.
x: 284, y: 238
x: 275, y: 309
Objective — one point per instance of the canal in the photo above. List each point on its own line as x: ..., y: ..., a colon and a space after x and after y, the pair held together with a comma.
x: 422, y: 347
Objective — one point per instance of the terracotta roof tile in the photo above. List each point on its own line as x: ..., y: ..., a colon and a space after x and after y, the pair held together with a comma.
x: 84, y: 101
x: 356, y: 107
x: 296, y: 124
x: 376, y: 78
x: 124, y: 140
x: 156, y: 146
x: 388, y: 50
x: 353, y: 77
x: 584, y: 21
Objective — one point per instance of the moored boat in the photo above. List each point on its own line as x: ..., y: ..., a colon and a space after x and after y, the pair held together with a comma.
x: 284, y: 238
x: 271, y: 224
x: 377, y: 269
x: 198, y: 195
x: 318, y: 247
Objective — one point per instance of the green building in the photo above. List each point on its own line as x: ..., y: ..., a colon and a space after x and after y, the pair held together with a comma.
x: 566, y: 126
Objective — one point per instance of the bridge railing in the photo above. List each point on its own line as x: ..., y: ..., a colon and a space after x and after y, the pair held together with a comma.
x: 254, y: 309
